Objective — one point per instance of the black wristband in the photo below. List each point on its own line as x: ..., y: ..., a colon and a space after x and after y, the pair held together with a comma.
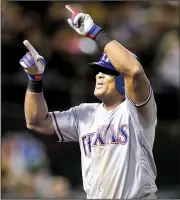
x: 35, y: 86
x: 102, y: 39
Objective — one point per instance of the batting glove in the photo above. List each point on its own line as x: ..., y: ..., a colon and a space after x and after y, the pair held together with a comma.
x: 33, y: 63
x: 83, y: 23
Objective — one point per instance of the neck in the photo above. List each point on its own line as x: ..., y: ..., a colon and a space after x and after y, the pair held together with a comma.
x: 110, y: 105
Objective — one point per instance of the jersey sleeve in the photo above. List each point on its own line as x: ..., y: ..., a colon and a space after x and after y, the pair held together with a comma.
x: 65, y: 124
x: 145, y: 114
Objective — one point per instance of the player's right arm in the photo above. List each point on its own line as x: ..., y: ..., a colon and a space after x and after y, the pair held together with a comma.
x: 64, y: 124
x: 35, y: 107
x: 36, y: 114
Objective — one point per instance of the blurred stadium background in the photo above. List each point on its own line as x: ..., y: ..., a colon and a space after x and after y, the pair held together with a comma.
x: 36, y: 166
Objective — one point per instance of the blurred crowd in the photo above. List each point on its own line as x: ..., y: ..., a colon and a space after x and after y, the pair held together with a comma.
x: 25, y: 170
x: 150, y: 29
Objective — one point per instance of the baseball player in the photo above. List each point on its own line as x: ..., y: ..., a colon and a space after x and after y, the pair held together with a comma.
x: 116, y: 136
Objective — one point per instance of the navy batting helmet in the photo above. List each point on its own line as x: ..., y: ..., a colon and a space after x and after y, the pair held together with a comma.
x: 105, y: 66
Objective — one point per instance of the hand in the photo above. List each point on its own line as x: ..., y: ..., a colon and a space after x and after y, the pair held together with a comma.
x: 32, y: 62
x: 83, y: 23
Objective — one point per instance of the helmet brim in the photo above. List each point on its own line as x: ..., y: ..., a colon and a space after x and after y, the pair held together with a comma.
x: 95, y: 65
x: 101, y: 68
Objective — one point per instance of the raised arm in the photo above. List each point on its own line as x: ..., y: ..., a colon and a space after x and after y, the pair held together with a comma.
x: 137, y: 85
x: 35, y: 107
x: 136, y: 82
x: 36, y: 114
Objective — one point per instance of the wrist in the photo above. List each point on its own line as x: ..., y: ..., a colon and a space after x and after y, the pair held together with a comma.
x: 35, y: 77
x: 102, y: 39
x: 93, y: 31
x: 35, y: 86
x: 35, y: 83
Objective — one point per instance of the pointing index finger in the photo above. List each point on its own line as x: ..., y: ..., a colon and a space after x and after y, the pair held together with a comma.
x: 71, y: 9
x: 30, y: 48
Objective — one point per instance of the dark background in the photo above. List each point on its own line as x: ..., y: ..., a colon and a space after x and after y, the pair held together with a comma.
x: 148, y: 29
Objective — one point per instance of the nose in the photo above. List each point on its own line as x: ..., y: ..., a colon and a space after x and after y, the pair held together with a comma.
x: 100, y: 75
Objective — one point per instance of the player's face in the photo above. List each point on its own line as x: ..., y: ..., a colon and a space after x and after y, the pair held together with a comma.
x: 105, y: 85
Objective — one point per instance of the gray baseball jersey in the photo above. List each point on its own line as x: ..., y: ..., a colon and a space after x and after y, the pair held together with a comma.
x: 116, y: 147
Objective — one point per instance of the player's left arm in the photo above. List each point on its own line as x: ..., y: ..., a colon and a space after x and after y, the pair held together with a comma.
x: 137, y: 85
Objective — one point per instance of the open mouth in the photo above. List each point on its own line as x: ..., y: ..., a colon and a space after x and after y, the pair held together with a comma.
x: 99, y: 85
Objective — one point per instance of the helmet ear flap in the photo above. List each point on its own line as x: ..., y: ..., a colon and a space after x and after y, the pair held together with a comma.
x: 119, y: 81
